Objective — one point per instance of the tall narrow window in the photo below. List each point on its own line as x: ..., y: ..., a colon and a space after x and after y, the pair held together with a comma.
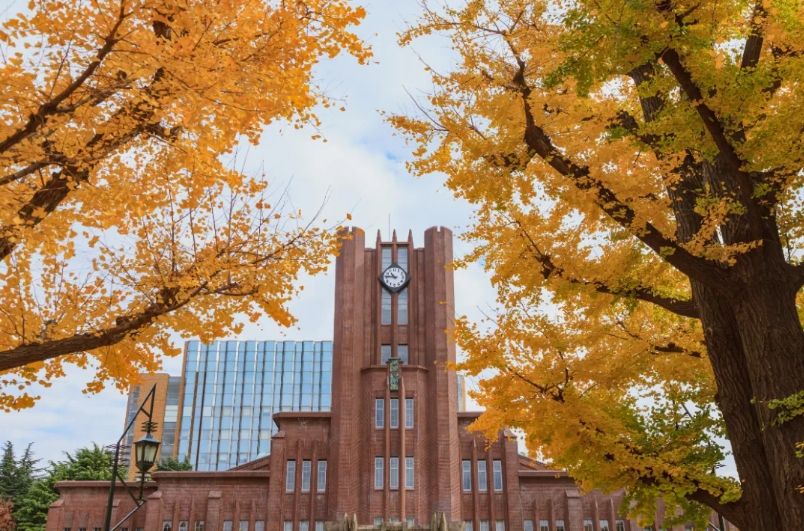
x: 385, y: 307
x: 408, y: 472
x: 402, y: 308
x: 386, y: 257
x: 484, y: 525
x: 319, y: 525
x: 227, y: 525
x: 321, y: 481
x: 482, y: 480
x: 544, y: 525
x: 402, y: 257
x: 304, y: 525
x: 588, y: 526
x: 402, y: 353
x: 385, y: 353
x: 409, y: 413
x: 243, y: 525
x: 259, y: 525
x: 469, y: 525
x: 604, y: 525
x: 199, y: 525
x: 498, y: 477
x: 620, y: 525
x: 394, y: 413
x: 379, y: 472
x: 288, y: 525
x: 528, y: 525
x: 167, y: 525
x: 410, y: 522
x: 379, y: 413
x: 499, y: 525
x: 307, y: 467
x: 559, y: 525
x: 466, y: 475
x: 182, y: 526
x: 290, y: 476
x: 393, y: 465
x: 377, y: 522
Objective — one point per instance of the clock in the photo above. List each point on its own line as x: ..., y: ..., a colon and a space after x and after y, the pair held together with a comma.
x: 394, y: 278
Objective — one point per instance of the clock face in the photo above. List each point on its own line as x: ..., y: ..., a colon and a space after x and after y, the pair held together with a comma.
x: 394, y: 278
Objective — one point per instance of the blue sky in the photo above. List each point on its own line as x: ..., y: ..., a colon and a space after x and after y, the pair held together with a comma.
x: 361, y: 167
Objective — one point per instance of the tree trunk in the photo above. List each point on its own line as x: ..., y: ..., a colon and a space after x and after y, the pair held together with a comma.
x: 759, y: 507
x: 773, y: 343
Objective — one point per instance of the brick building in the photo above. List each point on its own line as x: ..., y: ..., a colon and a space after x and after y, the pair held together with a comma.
x: 393, y: 448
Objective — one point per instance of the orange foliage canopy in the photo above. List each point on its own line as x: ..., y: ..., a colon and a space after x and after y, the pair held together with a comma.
x: 119, y: 220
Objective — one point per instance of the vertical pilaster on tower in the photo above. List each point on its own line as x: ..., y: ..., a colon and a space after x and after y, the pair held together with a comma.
x: 348, y: 350
x: 439, y: 295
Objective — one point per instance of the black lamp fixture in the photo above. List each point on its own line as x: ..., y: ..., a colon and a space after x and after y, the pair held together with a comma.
x: 145, y: 449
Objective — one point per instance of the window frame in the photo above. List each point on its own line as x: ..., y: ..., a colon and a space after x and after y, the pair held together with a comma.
x: 410, y: 411
x: 527, y: 527
x: 559, y: 525
x: 499, y: 525
x: 409, y: 473
x: 393, y: 473
x: 379, y: 413
x: 588, y: 525
x: 466, y: 475
x: 544, y: 525
x: 198, y: 527
x: 379, y: 473
x: 496, y: 466
x: 393, y: 413
x: 306, y: 475
x: 482, y: 476
x: 321, y: 476
x: 290, y: 475
x: 603, y: 525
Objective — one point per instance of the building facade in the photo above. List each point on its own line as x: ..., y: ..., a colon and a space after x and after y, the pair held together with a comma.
x: 393, y: 448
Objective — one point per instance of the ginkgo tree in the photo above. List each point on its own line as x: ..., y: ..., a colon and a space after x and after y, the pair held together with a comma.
x: 636, y: 167
x: 121, y: 219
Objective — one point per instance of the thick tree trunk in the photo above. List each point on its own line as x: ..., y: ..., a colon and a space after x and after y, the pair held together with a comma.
x: 773, y: 343
x: 759, y: 506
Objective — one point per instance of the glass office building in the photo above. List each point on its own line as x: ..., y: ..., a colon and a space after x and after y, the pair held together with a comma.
x: 233, y: 388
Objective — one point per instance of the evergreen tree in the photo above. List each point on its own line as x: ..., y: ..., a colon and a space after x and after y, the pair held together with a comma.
x: 8, y: 472
x: 171, y: 463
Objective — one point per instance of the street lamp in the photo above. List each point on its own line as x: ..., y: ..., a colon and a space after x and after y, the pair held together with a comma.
x: 144, y: 458
x: 145, y: 452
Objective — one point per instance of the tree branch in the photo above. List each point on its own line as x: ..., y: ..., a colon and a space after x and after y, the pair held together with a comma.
x: 539, y: 143
x: 37, y: 120
x: 682, y: 307
x: 716, y: 130
x: 753, y: 45
x: 124, y: 326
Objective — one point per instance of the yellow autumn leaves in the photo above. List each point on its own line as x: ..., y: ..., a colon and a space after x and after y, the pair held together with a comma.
x: 120, y: 220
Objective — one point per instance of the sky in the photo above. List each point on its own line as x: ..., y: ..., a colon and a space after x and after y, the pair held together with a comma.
x: 360, y: 169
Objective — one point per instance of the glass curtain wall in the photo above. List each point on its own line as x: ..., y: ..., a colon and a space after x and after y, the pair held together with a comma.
x: 233, y: 388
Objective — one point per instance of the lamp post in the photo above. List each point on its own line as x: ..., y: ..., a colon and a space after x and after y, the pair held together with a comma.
x: 145, y: 449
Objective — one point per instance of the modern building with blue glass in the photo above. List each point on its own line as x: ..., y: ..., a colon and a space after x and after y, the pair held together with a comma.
x: 231, y: 390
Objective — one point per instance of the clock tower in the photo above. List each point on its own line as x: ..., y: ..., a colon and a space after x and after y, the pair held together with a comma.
x: 394, y: 403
